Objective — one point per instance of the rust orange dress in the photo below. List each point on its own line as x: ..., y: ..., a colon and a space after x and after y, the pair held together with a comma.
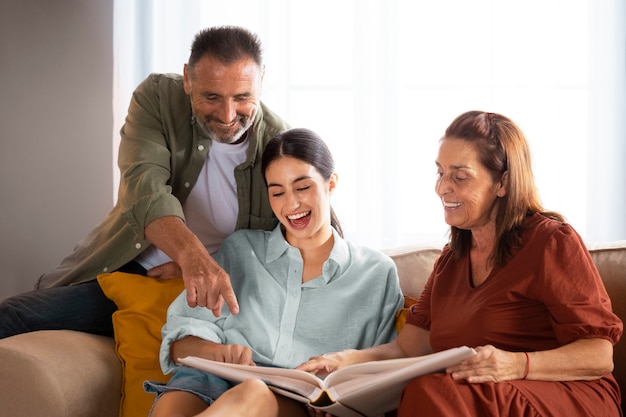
x: 547, y: 295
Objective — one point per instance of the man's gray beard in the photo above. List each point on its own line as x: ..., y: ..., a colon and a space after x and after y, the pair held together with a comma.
x: 214, y: 136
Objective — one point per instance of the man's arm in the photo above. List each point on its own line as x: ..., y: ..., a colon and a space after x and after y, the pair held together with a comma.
x: 207, y: 284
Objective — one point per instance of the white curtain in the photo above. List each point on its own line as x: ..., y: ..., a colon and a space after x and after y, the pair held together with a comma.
x: 380, y: 80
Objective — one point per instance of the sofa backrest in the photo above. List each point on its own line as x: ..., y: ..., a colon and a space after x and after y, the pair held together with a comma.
x: 415, y: 263
x: 610, y: 259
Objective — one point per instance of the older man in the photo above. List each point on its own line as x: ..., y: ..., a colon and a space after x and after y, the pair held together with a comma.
x: 190, y: 175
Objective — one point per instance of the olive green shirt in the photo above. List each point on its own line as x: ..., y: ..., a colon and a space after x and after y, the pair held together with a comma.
x: 161, y: 153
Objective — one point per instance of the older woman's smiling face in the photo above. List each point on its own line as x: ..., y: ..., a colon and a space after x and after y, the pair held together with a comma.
x: 466, y: 187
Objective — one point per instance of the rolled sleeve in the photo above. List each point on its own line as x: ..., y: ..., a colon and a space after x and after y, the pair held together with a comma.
x: 150, y: 208
x: 155, y: 136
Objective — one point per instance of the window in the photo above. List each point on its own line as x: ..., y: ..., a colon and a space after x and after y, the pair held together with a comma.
x: 380, y: 80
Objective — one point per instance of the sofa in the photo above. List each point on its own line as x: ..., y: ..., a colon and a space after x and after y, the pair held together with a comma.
x: 62, y: 373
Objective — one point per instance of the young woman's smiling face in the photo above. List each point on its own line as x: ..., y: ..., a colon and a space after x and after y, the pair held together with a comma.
x: 300, y: 199
x: 466, y: 187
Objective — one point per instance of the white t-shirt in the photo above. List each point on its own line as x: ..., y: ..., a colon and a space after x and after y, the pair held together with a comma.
x: 212, y: 207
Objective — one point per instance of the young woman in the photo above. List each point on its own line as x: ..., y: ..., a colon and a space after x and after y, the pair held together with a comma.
x: 302, y: 289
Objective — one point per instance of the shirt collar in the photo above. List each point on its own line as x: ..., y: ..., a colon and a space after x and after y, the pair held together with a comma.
x: 337, y: 261
x: 339, y: 258
x: 277, y: 245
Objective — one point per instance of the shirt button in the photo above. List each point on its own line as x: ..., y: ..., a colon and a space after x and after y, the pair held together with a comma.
x: 106, y: 268
x: 137, y: 245
x: 187, y: 185
x: 200, y: 147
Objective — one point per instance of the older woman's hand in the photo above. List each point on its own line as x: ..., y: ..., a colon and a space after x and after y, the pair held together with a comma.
x: 491, y: 365
x: 582, y: 359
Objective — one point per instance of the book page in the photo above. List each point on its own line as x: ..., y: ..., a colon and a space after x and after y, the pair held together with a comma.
x: 302, y: 383
x: 374, y: 393
x: 390, y: 366
x: 367, y: 389
x: 369, y: 368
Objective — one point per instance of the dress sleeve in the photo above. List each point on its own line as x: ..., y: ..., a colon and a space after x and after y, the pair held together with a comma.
x: 571, y: 288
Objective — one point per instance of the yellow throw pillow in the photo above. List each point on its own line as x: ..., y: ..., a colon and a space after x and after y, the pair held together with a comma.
x: 142, y: 304
x: 401, y: 314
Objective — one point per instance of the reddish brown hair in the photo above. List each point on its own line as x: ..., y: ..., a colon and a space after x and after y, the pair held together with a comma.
x: 502, y: 147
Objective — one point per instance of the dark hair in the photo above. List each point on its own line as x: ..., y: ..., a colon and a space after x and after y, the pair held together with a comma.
x: 502, y: 147
x: 306, y: 146
x: 226, y: 43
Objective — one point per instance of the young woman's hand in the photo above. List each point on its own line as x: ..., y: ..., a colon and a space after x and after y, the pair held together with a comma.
x: 195, y: 346
x: 233, y: 354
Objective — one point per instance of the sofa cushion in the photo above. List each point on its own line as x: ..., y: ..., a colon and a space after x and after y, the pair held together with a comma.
x: 59, y: 373
x: 142, y: 304
x: 401, y: 314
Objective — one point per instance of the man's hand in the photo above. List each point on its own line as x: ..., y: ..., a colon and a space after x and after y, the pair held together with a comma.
x: 200, y: 286
x: 207, y: 284
x: 169, y: 270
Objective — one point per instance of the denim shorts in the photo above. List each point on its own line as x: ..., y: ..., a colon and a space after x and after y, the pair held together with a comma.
x: 206, y: 386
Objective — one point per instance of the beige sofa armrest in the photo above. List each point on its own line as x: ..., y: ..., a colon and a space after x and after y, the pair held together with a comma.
x: 59, y: 373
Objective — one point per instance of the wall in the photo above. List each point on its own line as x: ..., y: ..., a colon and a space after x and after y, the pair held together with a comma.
x: 56, y: 67
x: 606, y: 198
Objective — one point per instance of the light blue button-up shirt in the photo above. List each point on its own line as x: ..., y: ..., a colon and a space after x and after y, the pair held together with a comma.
x: 285, y: 322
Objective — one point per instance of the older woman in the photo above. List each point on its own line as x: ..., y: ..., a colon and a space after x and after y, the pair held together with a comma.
x: 516, y: 282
